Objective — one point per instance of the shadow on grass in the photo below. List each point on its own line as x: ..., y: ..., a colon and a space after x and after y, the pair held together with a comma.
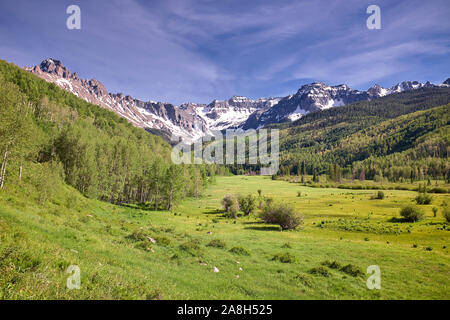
x: 264, y: 228
x: 214, y: 211
x: 140, y: 206
x: 399, y: 220
x: 253, y: 222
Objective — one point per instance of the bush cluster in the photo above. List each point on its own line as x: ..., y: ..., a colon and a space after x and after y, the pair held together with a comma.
x: 282, y: 214
x: 216, y: 243
x: 446, y: 212
x: 424, y: 198
x: 247, y: 204
x: 284, y: 257
x: 240, y: 251
x: 230, y: 204
x: 412, y: 213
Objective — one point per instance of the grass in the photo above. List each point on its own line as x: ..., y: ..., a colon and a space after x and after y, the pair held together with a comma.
x: 113, y: 247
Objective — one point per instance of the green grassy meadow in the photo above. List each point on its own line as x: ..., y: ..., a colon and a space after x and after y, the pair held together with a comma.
x: 117, y: 260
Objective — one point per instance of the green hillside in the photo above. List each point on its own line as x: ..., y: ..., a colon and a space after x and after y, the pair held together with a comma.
x: 409, y: 129
x: 49, y: 136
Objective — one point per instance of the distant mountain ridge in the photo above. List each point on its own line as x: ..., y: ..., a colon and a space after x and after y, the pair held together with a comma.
x: 191, y: 121
x: 319, y: 96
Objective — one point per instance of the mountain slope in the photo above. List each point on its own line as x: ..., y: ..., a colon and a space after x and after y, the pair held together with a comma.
x: 193, y: 120
x: 49, y: 138
x: 389, y: 125
x: 319, y: 96
x: 390, y: 131
x: 155, y: 115
x: 189, y: 121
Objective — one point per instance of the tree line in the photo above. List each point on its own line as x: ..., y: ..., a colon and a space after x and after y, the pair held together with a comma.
x: 48, y: 135
x: 401, y: 136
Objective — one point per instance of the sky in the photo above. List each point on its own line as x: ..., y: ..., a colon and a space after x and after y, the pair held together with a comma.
x: 197, y: 51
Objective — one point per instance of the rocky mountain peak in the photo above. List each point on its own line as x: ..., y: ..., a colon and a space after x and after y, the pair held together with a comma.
x: 193, y: 120
x: 377, y: 91
x: 56, y: 67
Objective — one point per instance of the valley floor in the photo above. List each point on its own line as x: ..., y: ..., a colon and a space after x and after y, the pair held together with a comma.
x: 112, y: 245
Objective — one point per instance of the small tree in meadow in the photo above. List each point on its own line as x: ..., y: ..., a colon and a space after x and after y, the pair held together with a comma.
x: 380, y: 195
x: 412, y: 213
x: 424, y: 198
x: 247, y: 204
x: 282, y: 214
x: 435, y: 210
x: 446, y: 212
x: 231, y: 206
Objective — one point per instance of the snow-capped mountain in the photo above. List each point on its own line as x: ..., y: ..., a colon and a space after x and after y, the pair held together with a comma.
x: 191, y: 121
x: 319, y: 96
x: 150, y: 115
x: 310, y: 97
x: 232, y: 113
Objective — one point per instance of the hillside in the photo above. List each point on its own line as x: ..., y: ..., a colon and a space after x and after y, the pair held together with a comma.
x: 49, y: 137
x: 402, y: 123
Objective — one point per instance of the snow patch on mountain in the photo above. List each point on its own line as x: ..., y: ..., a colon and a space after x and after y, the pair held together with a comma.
x: 192, y: 121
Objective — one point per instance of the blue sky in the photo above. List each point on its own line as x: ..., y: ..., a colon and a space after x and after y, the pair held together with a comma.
x: 197, y: 51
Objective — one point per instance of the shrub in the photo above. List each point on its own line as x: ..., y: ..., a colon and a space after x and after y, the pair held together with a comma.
x: 247, y: 204
x: 192, y: 247
x: 380, y: 195
x: 435, y: 210
x: 144, y: 245
x: 303, y: 278
x: 230, y: 205
x: 424, y: 198
x: 446, y: 213
x: 332, y: 265
x: 320, y: 271
x: 163, y: 241
x: 284, y: 257
x: 412, y: 213
x: 240, y: 251
x: 352, y: 270
x: 216, y: 243
x: 439, y: 190
x: 283, y: 215
x: 268, y: 201
x: 265, y: 201
x: 138, y: 235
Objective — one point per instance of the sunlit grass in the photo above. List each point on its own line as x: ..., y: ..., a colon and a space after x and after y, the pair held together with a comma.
x: 39, y: 243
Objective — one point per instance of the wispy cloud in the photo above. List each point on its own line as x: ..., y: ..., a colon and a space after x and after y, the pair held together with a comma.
x: 369, y: 66
x: 198, y: 50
